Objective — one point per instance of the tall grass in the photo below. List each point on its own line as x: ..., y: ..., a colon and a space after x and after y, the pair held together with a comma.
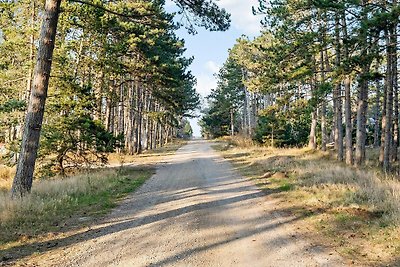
x: 6, y: 173
x: 358, y: 210
x: 314, y: 169
x: 53, y: 202
x: 378, y: 192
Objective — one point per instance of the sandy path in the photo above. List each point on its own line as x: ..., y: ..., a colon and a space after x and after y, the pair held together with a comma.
x: 196, y: 211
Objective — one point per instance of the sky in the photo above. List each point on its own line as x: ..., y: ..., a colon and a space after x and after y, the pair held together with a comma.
x: 210, y: 49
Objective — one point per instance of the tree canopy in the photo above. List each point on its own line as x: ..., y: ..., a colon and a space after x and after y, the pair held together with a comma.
x: 320, y: 72
x: 119, y: 79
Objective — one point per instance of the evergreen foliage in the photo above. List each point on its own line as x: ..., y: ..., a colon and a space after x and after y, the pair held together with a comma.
x: 119, y: 79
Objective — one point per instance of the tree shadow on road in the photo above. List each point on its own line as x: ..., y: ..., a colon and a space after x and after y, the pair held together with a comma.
x: 243, y: 191
x: 22, y: 251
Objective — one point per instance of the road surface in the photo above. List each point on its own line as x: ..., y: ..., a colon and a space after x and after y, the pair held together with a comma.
x: 195, y: 211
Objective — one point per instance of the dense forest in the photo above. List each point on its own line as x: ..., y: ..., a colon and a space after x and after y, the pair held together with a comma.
x: 321, y: 73
x: 79, y: 79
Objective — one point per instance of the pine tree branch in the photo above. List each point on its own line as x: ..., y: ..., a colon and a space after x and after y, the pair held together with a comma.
x: 135, y: 16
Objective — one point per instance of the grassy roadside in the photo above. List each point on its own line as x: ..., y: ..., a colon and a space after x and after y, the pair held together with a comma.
x: 148, y: 156
x: 61, y: 208
x: 57, y: 206
x: 355, y: 211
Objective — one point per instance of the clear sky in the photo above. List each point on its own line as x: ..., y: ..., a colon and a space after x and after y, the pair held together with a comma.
x: 210, y: 49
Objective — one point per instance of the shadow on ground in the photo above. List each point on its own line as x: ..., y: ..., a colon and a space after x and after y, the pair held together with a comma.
x: 243, y: 192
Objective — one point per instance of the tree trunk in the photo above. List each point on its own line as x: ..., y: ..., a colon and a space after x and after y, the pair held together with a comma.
x: 389, y: 103
x: 312, y: 139
x: 396, y: 96
x: 339, y: 123
x: 338, y: 96
x: 312, y: 142
x: 348, y: 122
x: 362, y: 105
x: 108, y: 114
x: 245, y: 108
x: 232, y: 123
x: 129, y: 120
x: 22, y: 183
x: 31, y: 53
x: 376, y: 112
x: 347, y: 98
x: 98, y: 91
x: 139, y: 119
x: 383, y: 127
x: 362, y: 97
x: 253, y: 118
x: 323, y: 106
x: 121, y: 110
x: 334, y: 131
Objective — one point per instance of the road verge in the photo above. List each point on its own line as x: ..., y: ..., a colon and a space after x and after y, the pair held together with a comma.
x: 354, y: 211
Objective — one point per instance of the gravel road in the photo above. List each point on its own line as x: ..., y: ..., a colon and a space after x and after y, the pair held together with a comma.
x: 195, y: 211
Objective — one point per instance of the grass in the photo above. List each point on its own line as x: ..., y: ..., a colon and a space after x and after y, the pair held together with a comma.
x: 64, y: 207
x: 6, y: 174
x: 57, y: 205
x: 148, y: 156
x: 356, y: 210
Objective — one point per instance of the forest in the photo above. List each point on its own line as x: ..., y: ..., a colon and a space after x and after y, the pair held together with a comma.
x: 322, y: 74
x: 86, y: 78
x: 299, y: 161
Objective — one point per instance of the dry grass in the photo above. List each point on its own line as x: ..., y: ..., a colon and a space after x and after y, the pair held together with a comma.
x: 147, y: 157
x: 358, y: 209
x: 6, y: 174
x: 53, y: 203
x: 63, y: 207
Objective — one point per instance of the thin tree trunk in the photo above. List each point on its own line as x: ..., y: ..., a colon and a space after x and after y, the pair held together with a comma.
x: 312, y: 143
x: 140, y: 120
x: 121, y: 109
x: 389, y: 103
x: 323, y: 107
x: 348, y: 122
x: 22, y: 183
x: 376, y: 111
x: 312, y: 139
x: 31, y: 53
x: 129, y: 120
x: 383, y: 127
x: 109, y: 110
x: 396, y: 96
x: 362, y: 106
x: 334, y: 130
x: 339, y: 123
x: 338, y: 96
x: 253, y: 119
x: 148, y: 124
x: 347, y: 99
x: 232, y: 123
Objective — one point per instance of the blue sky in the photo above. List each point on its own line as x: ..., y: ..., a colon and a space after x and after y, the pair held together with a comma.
x: 210, y: 49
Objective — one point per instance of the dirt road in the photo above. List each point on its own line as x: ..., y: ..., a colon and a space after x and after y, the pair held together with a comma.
x: 196, y: 211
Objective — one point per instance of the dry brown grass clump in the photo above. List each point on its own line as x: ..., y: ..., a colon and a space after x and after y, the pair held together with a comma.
x: 6, y: 175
